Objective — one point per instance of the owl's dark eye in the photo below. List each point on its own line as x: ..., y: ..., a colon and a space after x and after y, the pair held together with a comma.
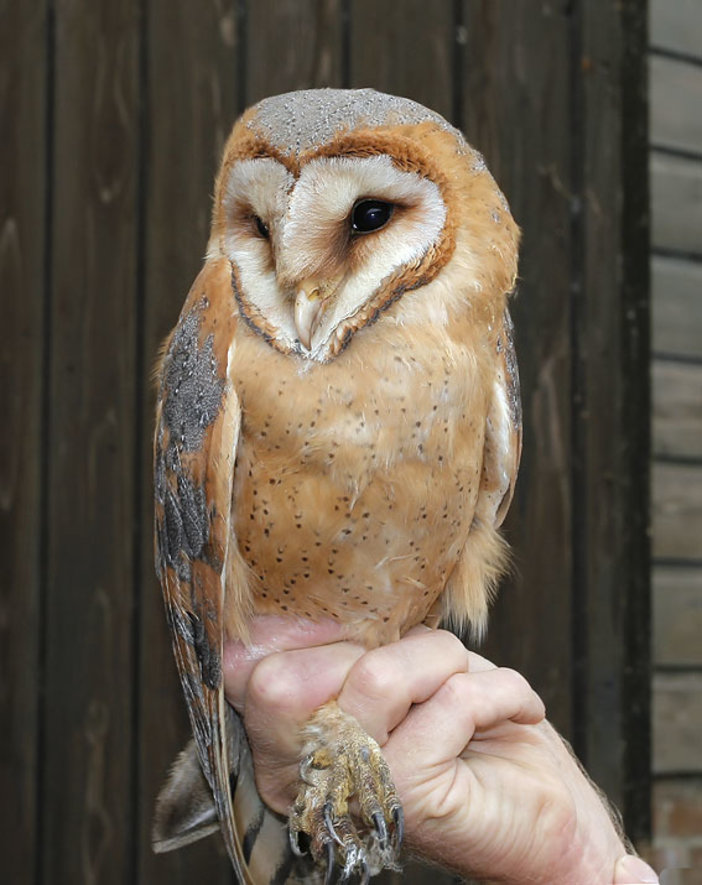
x: 262, y: 227
x: 370, y: 215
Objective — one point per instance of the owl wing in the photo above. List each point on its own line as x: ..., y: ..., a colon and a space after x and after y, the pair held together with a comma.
x: 503, y: 436
x: 197, y: 431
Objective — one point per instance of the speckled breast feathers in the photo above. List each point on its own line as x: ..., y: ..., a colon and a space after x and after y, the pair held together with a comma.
x: 338, y: 430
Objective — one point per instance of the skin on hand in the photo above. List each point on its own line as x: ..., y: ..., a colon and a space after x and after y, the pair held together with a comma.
x: 488, y: 787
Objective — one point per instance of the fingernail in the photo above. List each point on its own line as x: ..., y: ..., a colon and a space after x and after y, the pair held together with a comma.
x: 631, y: 870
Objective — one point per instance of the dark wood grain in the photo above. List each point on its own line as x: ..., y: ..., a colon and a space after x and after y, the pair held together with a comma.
x: 23, y: 97
x: 612, y: 416
x: 404, y: 47
x: 192, y: 90
x: 516, y: 106
x: 88, y: 702
x: 293, y: 44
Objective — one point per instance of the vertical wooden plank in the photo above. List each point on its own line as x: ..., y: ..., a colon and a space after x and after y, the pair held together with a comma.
x: 193, y: 63
x: 612, y: 420
x: 516, y: 110
x: 23, y: 97
x: 87, y: 715
x: 304, y: 38
x: 404, y: 47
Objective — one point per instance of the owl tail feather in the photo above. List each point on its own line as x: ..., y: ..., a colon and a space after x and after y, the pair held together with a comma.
x: 186, y: 812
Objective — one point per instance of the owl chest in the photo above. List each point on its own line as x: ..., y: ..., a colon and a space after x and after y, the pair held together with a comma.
x: 355, y: 482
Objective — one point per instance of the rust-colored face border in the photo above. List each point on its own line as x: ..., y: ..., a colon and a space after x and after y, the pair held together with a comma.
x: 411, y: 154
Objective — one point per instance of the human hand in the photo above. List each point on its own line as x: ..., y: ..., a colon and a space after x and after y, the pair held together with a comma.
x: 488, y: 787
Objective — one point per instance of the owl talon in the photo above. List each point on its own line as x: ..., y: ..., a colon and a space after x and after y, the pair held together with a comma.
x: 381, y: 830
x: 329, y: 823
x: 398, y: 817
x: 295, y: 847
x: 331, y: 863
x: 345, y: 764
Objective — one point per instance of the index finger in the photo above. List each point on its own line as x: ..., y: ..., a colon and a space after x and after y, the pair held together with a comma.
x: 270, y: 634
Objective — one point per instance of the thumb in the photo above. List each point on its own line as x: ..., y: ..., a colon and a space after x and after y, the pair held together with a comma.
x: 630, y: 870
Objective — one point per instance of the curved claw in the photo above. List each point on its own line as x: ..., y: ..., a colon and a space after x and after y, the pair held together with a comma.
x: 329, y: 875
x: 381, y: 831
x: 294, y: 837
x: 398, y: 817
x: 329, y: 823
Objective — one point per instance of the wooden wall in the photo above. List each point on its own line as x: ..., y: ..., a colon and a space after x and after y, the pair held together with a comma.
x: 114, y: 113
x: 676, y: 181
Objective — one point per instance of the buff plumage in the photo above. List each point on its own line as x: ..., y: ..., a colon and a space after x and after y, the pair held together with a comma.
x: 338, y: 429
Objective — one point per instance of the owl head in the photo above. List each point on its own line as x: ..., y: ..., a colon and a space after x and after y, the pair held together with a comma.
x: 331, y: 205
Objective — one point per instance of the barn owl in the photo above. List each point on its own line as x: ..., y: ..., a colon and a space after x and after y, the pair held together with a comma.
x: 338, y: 433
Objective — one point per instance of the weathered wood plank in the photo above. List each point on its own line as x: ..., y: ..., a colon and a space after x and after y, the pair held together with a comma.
x: 677, y: 511
x: 194, y: 61
x: 677, y: 722
x: 676, y: 26
x: 676, y: 203
x: 404, y: 47
x: 677, y: 807
x: 676, y: 306
x: 677, y: 408
x: 677, y: 616
x: 88, y: 763
x: 676, y: 104
x: 609, y: 316
x: 23, y: 94
x: 515, y: 110
x: 303, y: 37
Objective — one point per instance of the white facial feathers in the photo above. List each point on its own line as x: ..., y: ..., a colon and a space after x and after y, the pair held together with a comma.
x: 327, y: 190
x: 310, y: 236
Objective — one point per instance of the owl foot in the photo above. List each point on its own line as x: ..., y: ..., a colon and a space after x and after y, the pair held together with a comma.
x: 343, y: 763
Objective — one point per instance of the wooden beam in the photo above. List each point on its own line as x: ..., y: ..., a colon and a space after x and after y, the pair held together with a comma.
x: 303, y: 36
x: 516, y: 111
x: 88, y: 762
x: 25, y: 93
x: 404, y: 47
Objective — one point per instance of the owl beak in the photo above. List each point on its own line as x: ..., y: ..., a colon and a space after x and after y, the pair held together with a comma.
x: 309, y: 305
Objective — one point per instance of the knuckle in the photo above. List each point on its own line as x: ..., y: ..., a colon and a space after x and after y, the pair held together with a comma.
x: 457, y: 689
x: 374, y: 675
x: 451, y: 642
x: 514, y: 681
x: 272, y: 686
